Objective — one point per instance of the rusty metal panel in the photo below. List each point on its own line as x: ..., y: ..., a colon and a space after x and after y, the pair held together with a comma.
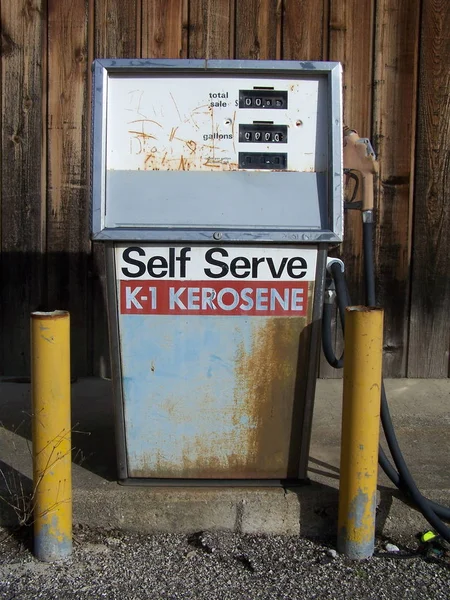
x: 214, y: 396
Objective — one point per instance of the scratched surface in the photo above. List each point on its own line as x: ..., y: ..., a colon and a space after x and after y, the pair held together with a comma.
x: 213, y: 397
x: 192, y: 124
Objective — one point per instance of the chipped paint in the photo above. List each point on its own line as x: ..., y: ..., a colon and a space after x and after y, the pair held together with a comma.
x: 225, y: 400
x: 360, y: 432
x: 51, y: 540
x: 356, y: 539
x: 51, y: 433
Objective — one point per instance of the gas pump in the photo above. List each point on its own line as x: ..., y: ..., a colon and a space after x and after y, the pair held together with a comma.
x: 217, y: 191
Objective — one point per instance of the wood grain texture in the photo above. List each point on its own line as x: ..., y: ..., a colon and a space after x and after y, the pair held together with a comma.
x: 429, y: 332
x: 22, y: 272
x: 115, y: 31
x: 211, y: 29
x: 394, y: 112
x: 304, y: 34
x: 116, y: 28
x: 258, y: 29
x: 164, y: 28
x: 45, y: 245
x: 350, y: 42
x: 351, y: 39
x: 68, y: 231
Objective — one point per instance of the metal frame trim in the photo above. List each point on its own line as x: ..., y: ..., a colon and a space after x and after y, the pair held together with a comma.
x: 336, y: 192
x: 199, y: 235
x: 116, y: 366
x: 314, y: 349
x: 98, y: 149
x: 136, y: 64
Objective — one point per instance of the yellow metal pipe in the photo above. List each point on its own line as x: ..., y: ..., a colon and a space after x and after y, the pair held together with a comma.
x: 360, y: 431
x: 51, y: 430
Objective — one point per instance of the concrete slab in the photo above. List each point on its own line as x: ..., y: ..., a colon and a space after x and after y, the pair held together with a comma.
x: 420, y: 410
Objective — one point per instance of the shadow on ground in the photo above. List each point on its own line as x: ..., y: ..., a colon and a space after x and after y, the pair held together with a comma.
x: 93, y: 445
x: 320, y: 515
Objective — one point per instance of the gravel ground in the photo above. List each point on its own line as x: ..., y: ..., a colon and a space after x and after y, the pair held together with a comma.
x: 119, y: 565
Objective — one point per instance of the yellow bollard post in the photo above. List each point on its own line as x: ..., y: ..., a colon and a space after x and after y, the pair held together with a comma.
x: 52, y: 477
x: 360, y: 431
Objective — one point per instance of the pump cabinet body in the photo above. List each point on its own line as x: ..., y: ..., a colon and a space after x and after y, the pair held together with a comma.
x: 217, y: 190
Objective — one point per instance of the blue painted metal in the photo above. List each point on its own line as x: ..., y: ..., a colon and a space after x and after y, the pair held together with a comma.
x: 212, y: 397
x: 50, y: 543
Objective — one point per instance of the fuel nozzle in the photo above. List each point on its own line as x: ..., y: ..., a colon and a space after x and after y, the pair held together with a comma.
x: 360, y: 157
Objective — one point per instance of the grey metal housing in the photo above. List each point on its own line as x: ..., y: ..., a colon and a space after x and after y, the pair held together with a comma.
x: 294, y: 207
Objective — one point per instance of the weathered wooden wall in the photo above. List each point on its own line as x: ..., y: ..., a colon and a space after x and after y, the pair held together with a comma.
x: 396, y: 56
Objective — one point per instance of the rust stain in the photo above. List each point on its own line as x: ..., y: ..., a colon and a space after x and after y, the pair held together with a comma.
x: 233, y: 123
x: 171, y: 406
x: 212, y: 132
x: 268, y: 402
x: 175, y: 104
x: 196, y: 125
x: 267, y: 379
x: 172, y: 133
x: 181, y: 140
x: 198, y: 108
x: 194, y: 161
x: 145, y: 121
x: 191, y: 145
x: 142, y: 134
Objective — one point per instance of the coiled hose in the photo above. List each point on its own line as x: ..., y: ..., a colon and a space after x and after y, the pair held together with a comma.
x: 432, y: 511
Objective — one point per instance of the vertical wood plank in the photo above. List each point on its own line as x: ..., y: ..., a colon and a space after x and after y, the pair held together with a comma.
x: 115, y: 35
x: 68, y: 231
x: 211, y: 29
x: 396, y: 48
x: 350, y: 42
x: 117, y: 23
x: 258, y: 29
x: 164, y: 28
x: 430, y: 298
x: 304, y: 36
x: 351, y: 38
x: 22, y: 272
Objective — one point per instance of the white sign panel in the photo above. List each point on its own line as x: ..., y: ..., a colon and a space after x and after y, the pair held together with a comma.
x: 205, y: 124
x: 196, y: 280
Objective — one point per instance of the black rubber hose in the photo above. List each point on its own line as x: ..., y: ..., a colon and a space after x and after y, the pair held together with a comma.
x: 402, y: 480
x: 406, y: 481
x: 385, y: 464
x: 342, y: 294
x: 431, y: 510
x: 327, y: 343
x: 369, y: 271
